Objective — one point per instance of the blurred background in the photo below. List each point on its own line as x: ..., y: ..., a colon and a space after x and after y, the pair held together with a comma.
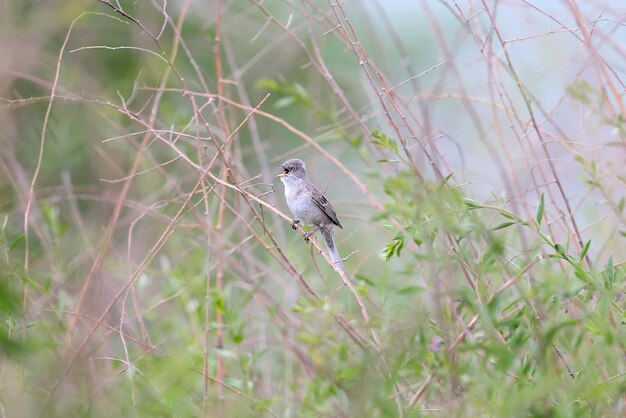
x: 474, y: 152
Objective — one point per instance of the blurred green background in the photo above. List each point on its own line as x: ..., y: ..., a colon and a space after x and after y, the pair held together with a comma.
x: 474, y: 154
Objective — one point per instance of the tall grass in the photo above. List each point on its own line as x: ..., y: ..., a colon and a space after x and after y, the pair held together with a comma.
x: 474, y: 152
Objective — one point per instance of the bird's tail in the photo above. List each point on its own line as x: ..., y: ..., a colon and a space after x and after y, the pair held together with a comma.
x: 327, y: 232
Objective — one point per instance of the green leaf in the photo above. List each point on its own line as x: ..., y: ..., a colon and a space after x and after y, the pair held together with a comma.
x: 362, y: 289
x: 263, y: 404
x: 507, y: 215
x: 540, y: 210
x: 301, y: 91
x: 585, y: 250
x: 348, y: 373
x: 609, y: 272
x: 620, y: 205
x: 412, y: 230
x: 365, y: 279
x: 384, y: 141
x: 503, y: 225
x: 581, y: 91
x: 471, y: 203
x: 581, y: 275
x: 560, y: 249
x: 394, y: 247
x: 218, y: 301
x: 16, y: 241
x: 309, y: 337
x: 577, y: 290
x: 237, y: 338
x: 551, y: 332
x: 284, y: 102
x: 388, y: 251
x: 355, y: 140
x: 267, y: 83
x: 399, y: 246
x: 410, y: 290
x: 9, y: 301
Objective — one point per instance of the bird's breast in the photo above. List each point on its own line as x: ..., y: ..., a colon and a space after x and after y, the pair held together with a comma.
x: 302, y: 206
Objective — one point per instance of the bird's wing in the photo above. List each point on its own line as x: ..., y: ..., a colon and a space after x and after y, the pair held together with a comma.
x: 320, y: 200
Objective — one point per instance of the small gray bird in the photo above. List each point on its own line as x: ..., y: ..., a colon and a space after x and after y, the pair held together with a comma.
x: 310, y: 206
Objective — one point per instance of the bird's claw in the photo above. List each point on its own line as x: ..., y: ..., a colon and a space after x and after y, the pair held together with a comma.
x: 294, y: 223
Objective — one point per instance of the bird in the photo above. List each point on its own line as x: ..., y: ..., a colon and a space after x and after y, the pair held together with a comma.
x: 309, y: 205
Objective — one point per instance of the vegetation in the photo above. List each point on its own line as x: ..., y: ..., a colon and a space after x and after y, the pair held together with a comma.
x: 147, y: 263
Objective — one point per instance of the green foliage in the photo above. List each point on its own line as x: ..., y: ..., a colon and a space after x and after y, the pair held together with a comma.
x: 12, y: 324
x: 383, y: 141
x: 511, y: 341
x: 394, y: 247
x: 289, y: 93
x: 540, y: 210
x: 147, y: 286
x: 581, y: 91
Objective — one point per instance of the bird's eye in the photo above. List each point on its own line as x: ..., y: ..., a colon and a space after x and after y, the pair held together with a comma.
x: 293, y: 168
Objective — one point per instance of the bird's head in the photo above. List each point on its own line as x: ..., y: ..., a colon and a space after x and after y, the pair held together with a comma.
x: 294, y: 171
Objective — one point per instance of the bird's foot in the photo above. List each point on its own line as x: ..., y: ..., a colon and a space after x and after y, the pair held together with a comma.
x: 307, y: 235
x: 294, y: 223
